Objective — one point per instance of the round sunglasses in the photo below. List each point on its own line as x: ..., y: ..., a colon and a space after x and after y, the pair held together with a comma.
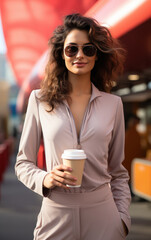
x: 71, y: 50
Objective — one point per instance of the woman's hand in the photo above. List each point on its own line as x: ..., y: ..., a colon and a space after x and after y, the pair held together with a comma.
x: 58, y: 177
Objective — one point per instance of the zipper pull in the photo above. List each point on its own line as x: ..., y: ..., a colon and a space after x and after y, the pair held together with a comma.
x: 78, y: 144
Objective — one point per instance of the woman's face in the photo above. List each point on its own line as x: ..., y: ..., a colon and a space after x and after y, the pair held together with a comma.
x: 78, y: 63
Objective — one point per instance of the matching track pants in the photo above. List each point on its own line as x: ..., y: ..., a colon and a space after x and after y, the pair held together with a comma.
x: 79, y: 216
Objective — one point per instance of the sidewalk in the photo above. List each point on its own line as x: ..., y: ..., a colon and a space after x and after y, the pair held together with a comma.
x: 141, y: 221
x: 19, y: 207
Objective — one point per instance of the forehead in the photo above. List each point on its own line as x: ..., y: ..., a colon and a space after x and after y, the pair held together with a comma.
x: 77, y: 36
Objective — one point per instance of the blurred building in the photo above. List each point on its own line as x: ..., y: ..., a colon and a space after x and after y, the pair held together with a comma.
x: 6, y: 71
x: 3, y: 66
x: 8, y: 96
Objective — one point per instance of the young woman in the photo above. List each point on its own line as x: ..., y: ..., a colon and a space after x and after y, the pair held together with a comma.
x: 73, y: 110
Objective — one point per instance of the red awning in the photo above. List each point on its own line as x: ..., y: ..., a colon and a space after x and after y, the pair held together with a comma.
x: 121, y: 16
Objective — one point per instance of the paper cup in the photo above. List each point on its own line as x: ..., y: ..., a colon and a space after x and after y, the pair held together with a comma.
x: 75, y: 159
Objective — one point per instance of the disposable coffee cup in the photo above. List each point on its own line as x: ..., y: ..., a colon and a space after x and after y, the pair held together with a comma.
x: 75, y: 159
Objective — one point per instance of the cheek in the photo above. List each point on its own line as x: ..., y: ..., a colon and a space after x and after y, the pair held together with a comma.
x: 92, y: 64
x: 68, y: 64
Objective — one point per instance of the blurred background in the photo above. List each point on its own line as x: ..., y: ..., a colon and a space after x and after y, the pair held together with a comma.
x: 25, y: 27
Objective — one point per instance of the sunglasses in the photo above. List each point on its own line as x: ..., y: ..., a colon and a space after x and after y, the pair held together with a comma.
x: 71, y: 50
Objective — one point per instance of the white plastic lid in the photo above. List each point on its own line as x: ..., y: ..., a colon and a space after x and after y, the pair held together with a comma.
x: 73, y: 154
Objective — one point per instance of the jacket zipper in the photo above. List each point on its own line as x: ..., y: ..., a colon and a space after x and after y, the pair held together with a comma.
x: 83, y: 121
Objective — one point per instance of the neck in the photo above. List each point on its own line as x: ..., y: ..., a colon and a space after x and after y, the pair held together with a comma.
x: 81, y: 84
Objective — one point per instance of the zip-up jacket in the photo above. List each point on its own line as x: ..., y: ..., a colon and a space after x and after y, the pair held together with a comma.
x: 101, y: 136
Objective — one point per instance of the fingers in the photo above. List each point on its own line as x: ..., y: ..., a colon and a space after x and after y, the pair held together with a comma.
x: 61, y: 175
x: 64, y: 172
x: 60, y: 178
x: 62, y: 185
x: 64, y: 178
x: 63, y: 168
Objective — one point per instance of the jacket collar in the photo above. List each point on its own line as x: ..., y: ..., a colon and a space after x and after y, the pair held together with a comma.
x: 95, y: 93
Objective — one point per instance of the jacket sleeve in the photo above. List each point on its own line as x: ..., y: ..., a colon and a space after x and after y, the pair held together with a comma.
x: 119, y: 175
x: 25, y: 168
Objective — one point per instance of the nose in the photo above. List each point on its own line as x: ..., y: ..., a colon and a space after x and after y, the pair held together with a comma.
x: 79, y: 53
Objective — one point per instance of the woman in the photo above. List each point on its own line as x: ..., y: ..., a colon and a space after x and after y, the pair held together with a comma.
x: 74, y: 110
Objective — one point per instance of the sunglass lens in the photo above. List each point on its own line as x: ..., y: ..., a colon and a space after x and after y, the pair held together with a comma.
x: 89, y: 50
x: 71, y: 51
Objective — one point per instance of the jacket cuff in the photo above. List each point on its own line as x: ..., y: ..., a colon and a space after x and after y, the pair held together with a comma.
x: 126, y: 220
x: 40, y: 187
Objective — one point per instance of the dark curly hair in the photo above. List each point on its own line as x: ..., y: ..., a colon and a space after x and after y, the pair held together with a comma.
x: 55, y: 86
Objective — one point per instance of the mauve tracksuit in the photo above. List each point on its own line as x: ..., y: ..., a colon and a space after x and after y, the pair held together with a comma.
x: 93, y: 211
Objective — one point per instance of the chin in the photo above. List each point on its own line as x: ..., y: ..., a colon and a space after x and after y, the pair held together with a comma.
x: 80, y: 71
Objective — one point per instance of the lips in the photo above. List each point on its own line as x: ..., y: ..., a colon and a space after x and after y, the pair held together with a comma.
x: 80, y: 64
